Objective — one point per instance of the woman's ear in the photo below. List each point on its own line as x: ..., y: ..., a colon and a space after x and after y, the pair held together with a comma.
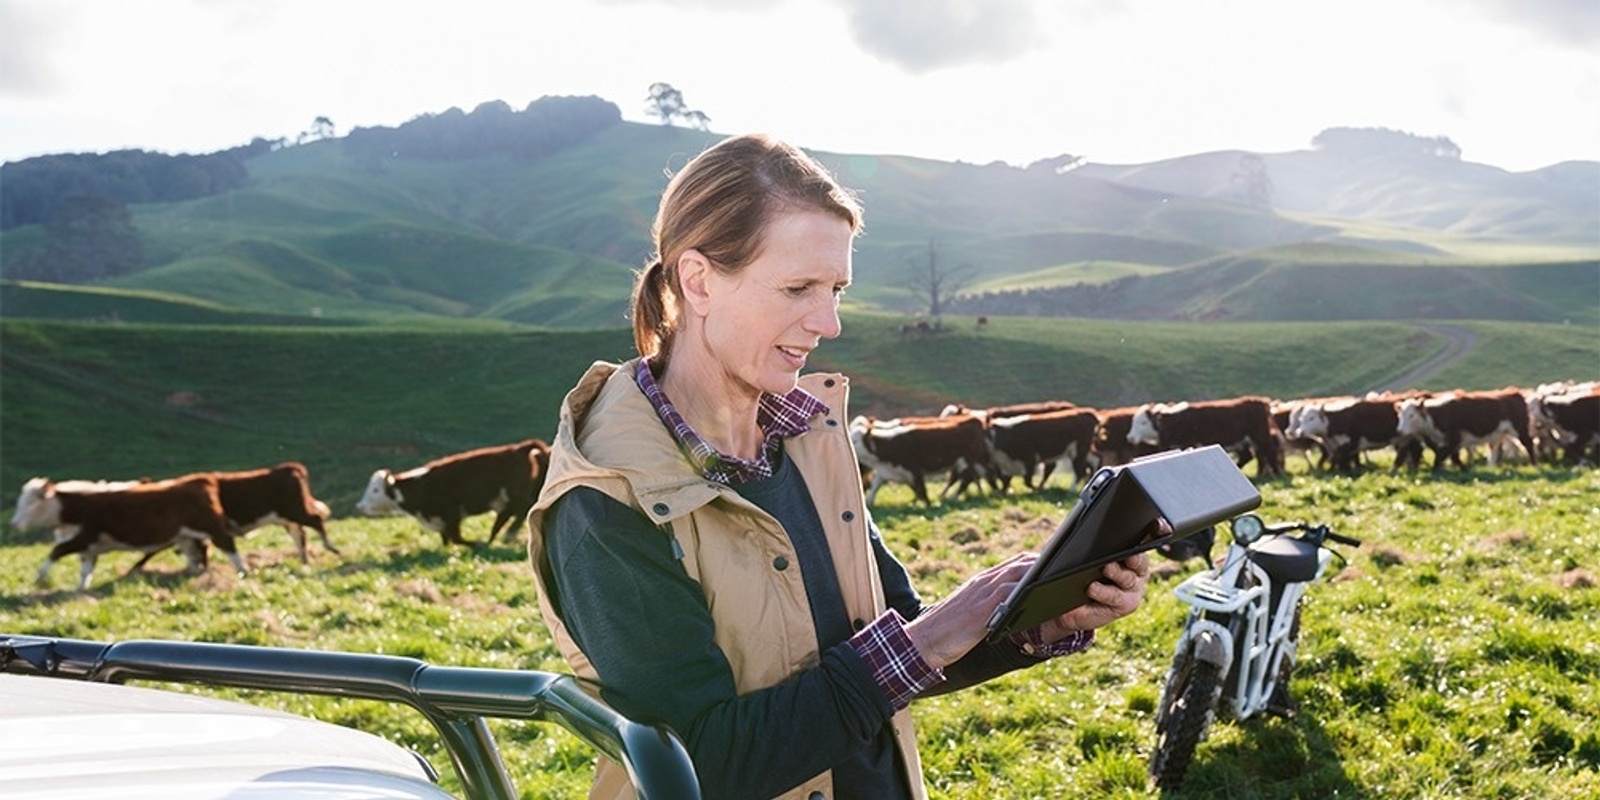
x: 694, y: 281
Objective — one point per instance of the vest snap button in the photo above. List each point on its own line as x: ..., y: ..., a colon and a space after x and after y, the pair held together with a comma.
x: 857, y: 624
x: 780, y: 563
x: 848, y: 516
x: 660, y: 509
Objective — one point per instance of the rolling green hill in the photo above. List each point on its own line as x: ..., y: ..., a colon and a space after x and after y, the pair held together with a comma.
x: 131, y: 400
x: 335, y: 229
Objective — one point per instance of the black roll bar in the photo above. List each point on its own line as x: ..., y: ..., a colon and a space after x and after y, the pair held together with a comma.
x: 455, y: 699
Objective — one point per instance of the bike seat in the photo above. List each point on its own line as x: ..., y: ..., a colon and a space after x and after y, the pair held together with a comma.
x: 1286, y: 559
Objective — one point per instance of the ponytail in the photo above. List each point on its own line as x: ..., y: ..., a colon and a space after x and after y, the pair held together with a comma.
x: 654, y: 319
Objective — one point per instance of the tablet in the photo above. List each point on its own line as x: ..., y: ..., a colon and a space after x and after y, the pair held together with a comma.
x: 1117, y: 515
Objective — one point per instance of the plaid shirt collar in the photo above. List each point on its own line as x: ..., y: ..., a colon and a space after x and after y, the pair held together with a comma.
x: 779, y: 416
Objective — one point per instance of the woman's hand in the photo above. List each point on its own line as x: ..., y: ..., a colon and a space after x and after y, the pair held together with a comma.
x: 1117, y: 594
x: 945, y: 631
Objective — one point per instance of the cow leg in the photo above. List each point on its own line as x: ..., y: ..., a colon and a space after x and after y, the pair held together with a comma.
x: 194, y: 551
x: 1451, y: 451
x: 872, y: 491
x: 451, y: 531
x: 502, y: 519
x: 322, y: 533
x: 1527, y: 444
x: 919, y: 487
x: 86, y: 562
x: 999, y: 482
x: 957, y: 482
x: 79, y: 543
x: 1407, y: 452
x: 298, y: 534
x: 224, y: 542
x: 1048, y: 469
x: 139, y: 565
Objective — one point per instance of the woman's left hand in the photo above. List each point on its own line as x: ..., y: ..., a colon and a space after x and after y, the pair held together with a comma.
x: 1117, y: 594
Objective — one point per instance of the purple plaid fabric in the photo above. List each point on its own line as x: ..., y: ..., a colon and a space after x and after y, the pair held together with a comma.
x: 1031, y: 641
x: 896, y: 665
x: 778, y: 416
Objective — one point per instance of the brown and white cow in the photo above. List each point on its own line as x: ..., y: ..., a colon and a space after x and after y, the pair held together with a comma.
x: 1022, y: 444
x: 277, y: 495
x: 1568, y: 419
x: 1454, y: 420
x: 1012, y: 410
x: 505, y: 479
x: 144, y: 516
x: 1351, y: 426
x: 908, y: 449
x: 1111, y: 443
x: 1242, y: 425
x: 1286, y: 416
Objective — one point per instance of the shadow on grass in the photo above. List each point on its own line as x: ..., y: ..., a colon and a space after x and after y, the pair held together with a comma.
x: 889, y: 514
x: 1272, y: 758
x: 431, y: 556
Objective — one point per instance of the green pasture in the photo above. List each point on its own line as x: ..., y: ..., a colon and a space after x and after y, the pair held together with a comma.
x: 131, y: 400
x: 1456, y: 654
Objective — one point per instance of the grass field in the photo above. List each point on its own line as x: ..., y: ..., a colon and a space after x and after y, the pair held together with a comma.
x: 348, y: 400
x: 1457, y: 654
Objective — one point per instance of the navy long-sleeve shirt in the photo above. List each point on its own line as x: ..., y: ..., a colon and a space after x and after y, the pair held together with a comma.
x: 644, y: 624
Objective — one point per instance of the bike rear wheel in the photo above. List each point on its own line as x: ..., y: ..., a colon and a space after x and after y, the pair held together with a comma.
x: 1190, y: 700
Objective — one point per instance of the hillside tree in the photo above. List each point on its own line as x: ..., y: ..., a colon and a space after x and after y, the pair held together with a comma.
x: 321, y: 128
x: 666, y: 103
x: 1251, y: 184
x: 936, y: 283
x: 88, y: 238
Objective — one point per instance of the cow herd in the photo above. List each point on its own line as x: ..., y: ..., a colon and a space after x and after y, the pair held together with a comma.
x: 195, y: 511
x: 1557, y: 422
x: 1554, y: 423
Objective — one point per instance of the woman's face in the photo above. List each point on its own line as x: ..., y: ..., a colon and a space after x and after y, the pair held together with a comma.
x: 761, y: 324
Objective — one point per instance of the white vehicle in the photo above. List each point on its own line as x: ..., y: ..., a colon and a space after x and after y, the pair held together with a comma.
x: 1238, y: 643
x: 67, y: 730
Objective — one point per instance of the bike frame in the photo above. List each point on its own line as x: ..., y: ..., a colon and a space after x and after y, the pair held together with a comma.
x: 1251, y: 646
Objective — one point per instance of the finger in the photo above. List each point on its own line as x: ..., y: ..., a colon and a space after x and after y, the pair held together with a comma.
x: 1139, y: 564
x: 1119, y: 600
x: 1124, y: 578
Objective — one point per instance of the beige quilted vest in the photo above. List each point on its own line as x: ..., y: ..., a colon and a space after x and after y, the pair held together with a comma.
x: 610, y: 438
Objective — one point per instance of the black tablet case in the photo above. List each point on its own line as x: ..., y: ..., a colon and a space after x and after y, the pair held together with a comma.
x: 1115, y: 517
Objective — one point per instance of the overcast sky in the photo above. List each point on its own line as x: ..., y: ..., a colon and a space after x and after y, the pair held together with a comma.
x: 1514, y: 83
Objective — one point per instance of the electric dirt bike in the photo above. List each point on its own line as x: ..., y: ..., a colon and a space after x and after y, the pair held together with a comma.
x: 1238, y: 643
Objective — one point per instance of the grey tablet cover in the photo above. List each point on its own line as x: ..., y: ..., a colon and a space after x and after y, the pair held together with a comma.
x: 1117, y: 516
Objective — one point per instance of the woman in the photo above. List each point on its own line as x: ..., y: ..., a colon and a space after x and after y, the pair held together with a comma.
x: 702, y: 545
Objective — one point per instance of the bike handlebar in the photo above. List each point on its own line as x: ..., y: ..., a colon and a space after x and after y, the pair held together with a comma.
x: 1320, y: 532
x: 1341, y: 539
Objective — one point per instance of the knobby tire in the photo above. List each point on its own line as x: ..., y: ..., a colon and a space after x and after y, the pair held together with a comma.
x: 1191, y: 708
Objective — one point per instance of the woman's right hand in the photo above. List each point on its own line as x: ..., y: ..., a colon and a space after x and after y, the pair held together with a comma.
x: 945, y: 631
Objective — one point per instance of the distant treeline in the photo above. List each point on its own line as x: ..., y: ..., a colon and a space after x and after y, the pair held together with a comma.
x: 546, y: 126
x: 81, y: 199
x: 37, y: 190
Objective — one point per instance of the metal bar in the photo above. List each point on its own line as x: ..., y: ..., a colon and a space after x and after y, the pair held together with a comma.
x: 454, y: 699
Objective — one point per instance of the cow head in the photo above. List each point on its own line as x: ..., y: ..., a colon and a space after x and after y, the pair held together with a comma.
x: 38, y: 507
x: 1142, y: 430
x: 1308, y: 422
x: 380, y: 499
x: 1414, y: 420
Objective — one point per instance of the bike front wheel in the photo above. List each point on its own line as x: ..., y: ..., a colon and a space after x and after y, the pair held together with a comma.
x: 1190, y: 700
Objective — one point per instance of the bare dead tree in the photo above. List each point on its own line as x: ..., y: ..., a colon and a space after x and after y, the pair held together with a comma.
x: 936, y: 283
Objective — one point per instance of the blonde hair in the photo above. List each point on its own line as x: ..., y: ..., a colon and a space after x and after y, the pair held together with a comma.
x: 720, y: 204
